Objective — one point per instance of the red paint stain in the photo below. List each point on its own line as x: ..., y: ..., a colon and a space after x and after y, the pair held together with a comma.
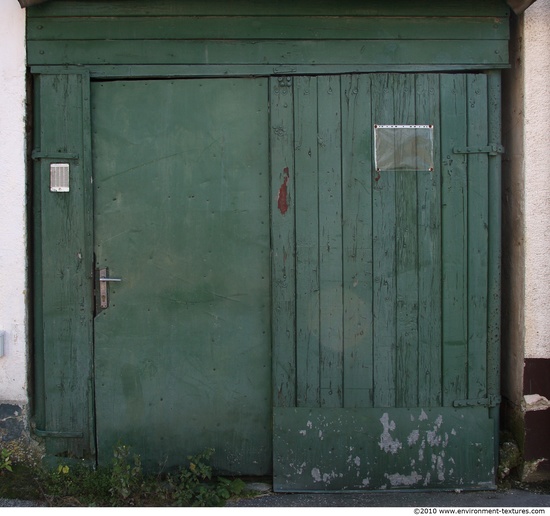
x: 282, y: 200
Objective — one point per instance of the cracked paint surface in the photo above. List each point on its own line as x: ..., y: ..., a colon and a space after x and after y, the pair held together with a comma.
x: 387, y: 443
x: 389, y: 449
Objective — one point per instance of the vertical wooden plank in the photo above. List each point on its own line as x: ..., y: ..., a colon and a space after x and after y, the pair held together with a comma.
x: 283, y: 242
x: 494, y: 260
x: 357, y: 236
x: 330, y: 240
x: 406, y: 242
x: 494, y: 102
x: 66, y: 267
x: 38, y: 319
x: 307, y: 241
x: 384, y: 257
x: 429, y: 250
x: 478, y: 224
x: 454, y: 241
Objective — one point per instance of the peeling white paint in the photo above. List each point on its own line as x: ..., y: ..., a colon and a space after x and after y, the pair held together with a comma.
x: 321, y: 435
x: 423, y: 416
x: 432, y: 435
x: 303, y: 432
x: 325, y: 477
x: 413, y: 437
x: 316, y: 474
x: 354, y: 461
x: 397, y: 479
x: 387, y: 443
x: 421, y: 450
x: 298, y: 469
x: 309, y: 424
x: 440, y: 470
x: 366, y: 482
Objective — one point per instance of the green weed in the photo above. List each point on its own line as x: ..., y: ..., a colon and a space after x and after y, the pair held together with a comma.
x: 196, y: 488
x: 123, y: 483
x: 5, y: 461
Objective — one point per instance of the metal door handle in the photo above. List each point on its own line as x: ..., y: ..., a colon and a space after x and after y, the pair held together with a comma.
x: 103, y: 290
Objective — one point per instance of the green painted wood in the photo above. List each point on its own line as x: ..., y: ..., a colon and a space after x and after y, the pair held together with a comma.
x: 181, y: 193
x: 283, y: 242
x: 454, y: 216
x: 357, y: 240
x: 385, y: 449
x: 330, y: 240
x: 429, y: 250
x: 307, y: 242
x: 412, y: 269
x: 266, y: 27
x: 63, y: 265
x: 230, y: 70
x: 406, y: 244
x: 384, y: 255
x: 478, y: 241
x: 494, y: 104
x: 494, y: 261
x: 139, y: 8
x: 420, y: 52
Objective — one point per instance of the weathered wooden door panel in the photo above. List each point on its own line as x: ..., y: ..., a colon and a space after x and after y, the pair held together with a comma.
x: 63, y: 347
x: 182, y: 353
x: 380, y: 281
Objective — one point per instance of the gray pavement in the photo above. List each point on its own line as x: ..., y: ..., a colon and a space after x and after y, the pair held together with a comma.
x: 498, y: 498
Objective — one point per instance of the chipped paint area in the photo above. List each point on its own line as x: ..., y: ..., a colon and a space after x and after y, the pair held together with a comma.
x: 413, y: 437
x: 393, y: 448
x: 326, y: 478
x: 398, y: 480
x: 387, y: 443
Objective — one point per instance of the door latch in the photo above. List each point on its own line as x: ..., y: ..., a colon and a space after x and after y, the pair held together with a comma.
x: 104, y: 280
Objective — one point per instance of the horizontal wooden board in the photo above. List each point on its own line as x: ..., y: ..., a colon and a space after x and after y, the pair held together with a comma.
x: 175, y: 71
x: 382, y: 449
x: 267, y: 27
x: 81, y: 52
x: 291, y: 7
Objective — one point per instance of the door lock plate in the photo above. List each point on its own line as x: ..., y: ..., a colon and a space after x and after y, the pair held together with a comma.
x: 104, y: 281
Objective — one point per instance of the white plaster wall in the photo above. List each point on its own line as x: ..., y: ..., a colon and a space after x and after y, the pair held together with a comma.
x: 13, y: 254
x: 537, y: 177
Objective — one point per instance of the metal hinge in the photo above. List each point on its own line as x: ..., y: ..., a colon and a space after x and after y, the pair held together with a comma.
x: 492, y: 149
x: 490, y: 401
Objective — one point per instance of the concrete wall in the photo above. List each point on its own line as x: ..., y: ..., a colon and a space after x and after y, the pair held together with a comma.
x: 526, y: 239
x: 13, y: 223
x: 537, y: 185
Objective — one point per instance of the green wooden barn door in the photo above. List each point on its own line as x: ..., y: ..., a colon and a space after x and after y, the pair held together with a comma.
x: 181, y: 207
x: 382, y: 375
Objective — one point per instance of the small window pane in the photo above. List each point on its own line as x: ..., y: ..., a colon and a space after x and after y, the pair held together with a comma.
x: 403, y: 147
